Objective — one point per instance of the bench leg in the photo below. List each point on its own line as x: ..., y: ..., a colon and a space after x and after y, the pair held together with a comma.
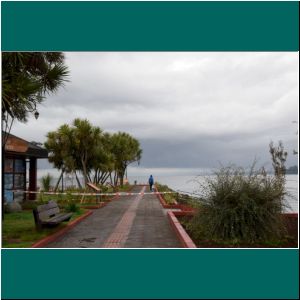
x: 37, y: 222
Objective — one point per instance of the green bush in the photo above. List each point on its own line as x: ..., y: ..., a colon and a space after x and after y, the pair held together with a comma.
x: 239, y: 207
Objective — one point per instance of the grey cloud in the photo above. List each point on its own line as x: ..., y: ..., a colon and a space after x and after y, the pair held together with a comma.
x: 205, y: 152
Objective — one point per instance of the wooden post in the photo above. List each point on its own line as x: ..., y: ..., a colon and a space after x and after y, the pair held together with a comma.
x: 32, y: 177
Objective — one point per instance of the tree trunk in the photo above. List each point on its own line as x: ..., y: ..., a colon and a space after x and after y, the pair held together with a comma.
x: 59, y: 179
x: 101, y: 177
x: 121, y: 176
x: 84, y: 170
x: 116, y: 178
x: 88, y: 177
x: 103, y: 180
x: 78, y: 181
x: 95, y: 177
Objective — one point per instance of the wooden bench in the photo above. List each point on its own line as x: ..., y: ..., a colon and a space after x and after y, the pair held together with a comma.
x: 95, y: 189
x: 49, y: 215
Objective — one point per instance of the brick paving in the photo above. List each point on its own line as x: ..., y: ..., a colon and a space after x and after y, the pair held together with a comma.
x: 120, y: 233
x: 127, y: 222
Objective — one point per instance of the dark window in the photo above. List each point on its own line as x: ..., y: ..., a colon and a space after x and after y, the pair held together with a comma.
x: 14, y: 178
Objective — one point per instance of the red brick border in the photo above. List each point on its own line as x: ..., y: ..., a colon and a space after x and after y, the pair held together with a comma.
x: 53, y: 237
x: 184, y: 238
x: 291, y: 215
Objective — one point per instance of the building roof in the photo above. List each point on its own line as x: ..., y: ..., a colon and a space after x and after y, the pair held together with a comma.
x: 18, y: 146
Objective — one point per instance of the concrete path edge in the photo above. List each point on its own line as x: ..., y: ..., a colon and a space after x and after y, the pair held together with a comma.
x: 182, y: 235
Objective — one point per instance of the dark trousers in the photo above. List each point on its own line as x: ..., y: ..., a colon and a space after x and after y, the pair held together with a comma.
x: 150, y: 186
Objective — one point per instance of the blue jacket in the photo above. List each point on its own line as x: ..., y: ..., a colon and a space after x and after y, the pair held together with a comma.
x: 151, y: 180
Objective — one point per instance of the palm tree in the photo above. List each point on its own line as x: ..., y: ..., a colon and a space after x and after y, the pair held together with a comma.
x: 61, y: 151
x: 126, y: 150
x: 87, y: 139
x: 102, y: 162
x: 27, y: 77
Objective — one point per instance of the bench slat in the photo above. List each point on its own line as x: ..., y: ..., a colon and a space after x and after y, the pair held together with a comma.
x: 61, y: 216
x: 93, y: 186
x: 58, y: 219
x: 47, y: 213
x: 51, y: 204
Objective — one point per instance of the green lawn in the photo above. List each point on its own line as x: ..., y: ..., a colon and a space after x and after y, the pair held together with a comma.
x: 18, y: 229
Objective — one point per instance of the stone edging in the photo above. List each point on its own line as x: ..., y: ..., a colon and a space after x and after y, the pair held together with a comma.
x: 184, y: 238
x: 51, y: 238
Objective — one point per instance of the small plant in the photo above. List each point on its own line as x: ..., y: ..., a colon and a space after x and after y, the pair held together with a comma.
x: 41, y: 197
x: 72, y: 207
x: 46, y: 182
x: 69, y: 204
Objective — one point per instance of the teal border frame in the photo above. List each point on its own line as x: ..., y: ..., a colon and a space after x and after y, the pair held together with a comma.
x: 150, y: 273
x: 150, y: 26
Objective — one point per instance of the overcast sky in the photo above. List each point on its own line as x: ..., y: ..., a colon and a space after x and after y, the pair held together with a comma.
x: 187, y: 109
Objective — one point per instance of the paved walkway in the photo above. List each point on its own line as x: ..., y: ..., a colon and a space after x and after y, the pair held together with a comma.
x: 137, y: 221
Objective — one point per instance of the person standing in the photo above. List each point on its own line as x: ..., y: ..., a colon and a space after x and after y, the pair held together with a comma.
x: 151, y: 182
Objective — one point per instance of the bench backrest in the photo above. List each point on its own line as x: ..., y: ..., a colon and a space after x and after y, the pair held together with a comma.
x: 48, y: 210
x: 93, y: 186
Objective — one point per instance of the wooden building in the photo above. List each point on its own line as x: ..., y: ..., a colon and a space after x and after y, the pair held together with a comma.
x: 20, y: 168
